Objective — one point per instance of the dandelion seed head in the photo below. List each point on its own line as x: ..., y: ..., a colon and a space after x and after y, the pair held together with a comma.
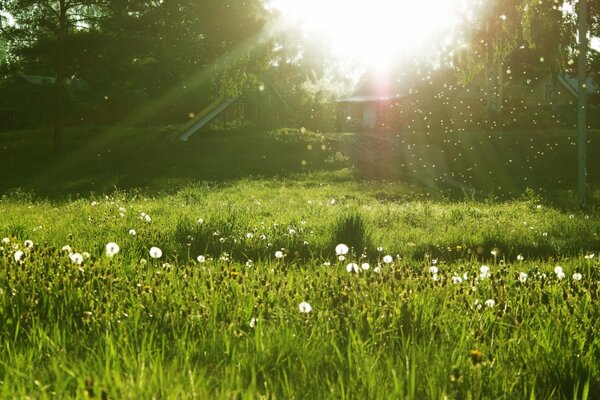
x: 76, y: 258
x: 352, y: 267
x: 155, y: 252
x: 112, y: 249
x: 523, y: 277
x: 341, y: 249
x: 388, y: 259
x: 304, y: 307
x: 18, y: 255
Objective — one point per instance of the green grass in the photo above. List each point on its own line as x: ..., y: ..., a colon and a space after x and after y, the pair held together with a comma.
x: 130, y: 326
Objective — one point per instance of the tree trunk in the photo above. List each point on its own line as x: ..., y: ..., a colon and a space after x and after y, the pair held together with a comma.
x: 60, y: 89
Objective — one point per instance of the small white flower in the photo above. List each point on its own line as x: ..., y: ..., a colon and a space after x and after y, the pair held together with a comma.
x: 577, y: 276
x: 388, y: 259
x: 365, y: 266
x: 326, y: 264
x: 201, y: 259
x: 252, y: 322
x: 380, y: 249
x: 523, y: 277
x: 456, y: 279
x: 433, y: 269
x: 132, y: 232
x: 67, y: 249
x: 76, y: 258
x: 28, y: 244
x: 490, y: 303
x: 494, y: 252
x: 200, y: 221
x: 304, y: 307
x: 249, y: 235
x: 263, y: 236
x: 279, y: 254
x: 291, y: 231
x: 377, y: 270
x: 86, y: 255
x: 341, y: 249
x: 249, y: 263
x: 589, y: 256
x: 147, y: 218
x: 352, y: 267
x: 6, y: 240
x: 545, y: 234
x: 111, y: 249
x: 94, y: 203
x: 122, y: 209
x: 520, y: 257
x: 155, y: 252
x: 435, y: 277
x: 18, y: 255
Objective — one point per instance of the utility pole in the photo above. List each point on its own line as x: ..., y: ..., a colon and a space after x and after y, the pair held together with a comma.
x: 582, y: 107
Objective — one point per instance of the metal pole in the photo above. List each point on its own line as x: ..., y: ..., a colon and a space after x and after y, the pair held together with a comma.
x: 582, y: 107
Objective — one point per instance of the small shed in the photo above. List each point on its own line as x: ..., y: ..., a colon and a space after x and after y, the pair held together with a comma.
x: 373, y: 106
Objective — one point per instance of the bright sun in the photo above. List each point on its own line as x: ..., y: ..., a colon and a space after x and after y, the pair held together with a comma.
x: 377, y: 33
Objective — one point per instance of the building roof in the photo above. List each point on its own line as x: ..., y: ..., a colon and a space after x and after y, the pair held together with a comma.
x: 374, y: 89
x: 572, y: 84
x: 371, y: 98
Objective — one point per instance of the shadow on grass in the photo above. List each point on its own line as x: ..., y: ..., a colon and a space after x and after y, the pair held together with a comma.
x: 491, y: 166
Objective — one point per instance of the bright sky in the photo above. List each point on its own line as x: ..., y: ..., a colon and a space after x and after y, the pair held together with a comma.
x: 375, y: 33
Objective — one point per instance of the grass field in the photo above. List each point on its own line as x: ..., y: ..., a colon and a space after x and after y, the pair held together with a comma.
x: 138, y: 267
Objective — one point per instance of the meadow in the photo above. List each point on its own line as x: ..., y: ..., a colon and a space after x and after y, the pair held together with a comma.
x: 291, y: 264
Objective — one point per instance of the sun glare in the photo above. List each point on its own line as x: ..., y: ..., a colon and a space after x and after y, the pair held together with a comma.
x: 376, y: 33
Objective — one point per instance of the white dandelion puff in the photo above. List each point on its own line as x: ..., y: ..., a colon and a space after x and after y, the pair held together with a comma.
x: 577, y: 276
x: 484, y: 272
x: 18, y: 255
x: 304, y: 307
x: 155, y: 252
x: 489, y: 303
x: 76, y: 258
x: 28, y: 244
x: 341, y: 249
x: 279, y: 254
x: 365, y: 266
x: 111, y: 249
x: 132, y: 232
x: 352, y: 267
x: 388, y: 259
x: 201, y: 259
x: 523, y: 277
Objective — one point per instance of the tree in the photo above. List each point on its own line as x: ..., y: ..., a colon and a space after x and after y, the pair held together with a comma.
x: 40, y: 37
x: 489, y: 46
